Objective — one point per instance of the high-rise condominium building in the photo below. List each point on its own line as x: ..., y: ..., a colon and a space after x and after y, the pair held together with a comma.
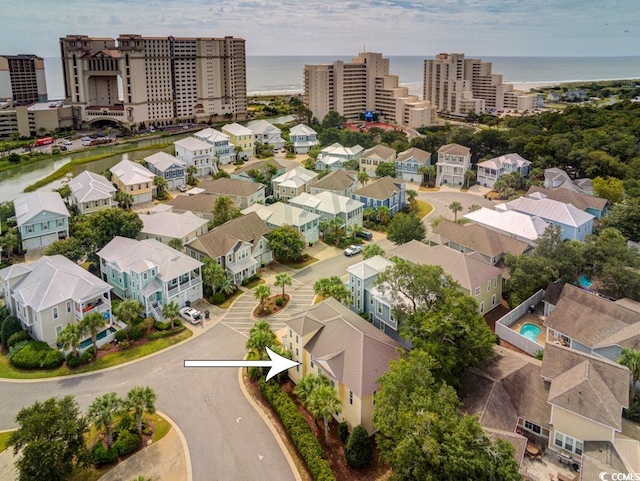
x: 458, y: 85
x: 156, y: 80
x: 22, y: 79
x: 363, y: 85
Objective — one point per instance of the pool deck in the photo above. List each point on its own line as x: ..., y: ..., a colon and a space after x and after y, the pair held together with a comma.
x: 534, y: 318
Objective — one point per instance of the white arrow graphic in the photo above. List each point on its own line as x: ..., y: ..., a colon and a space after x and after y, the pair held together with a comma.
x: 277, y: 363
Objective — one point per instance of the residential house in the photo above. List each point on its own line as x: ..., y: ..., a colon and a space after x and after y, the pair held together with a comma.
x: 266, y: 133
x: 491, y: 170
x: 196, y: 153
x: 245, y: 194
x: 558, y: 178
x: 293, y: 183
x: 42, y: 218
x: 553, y: 97
x: 242, y: 173
x: 133, y: 179
x: 566, y: 403
x: 509, y: 222
x: 477, y: 279
x: 91, y: 192
x: 222, y: 152
x: 371, y: 158
x: 453, y: 161
x: 303, y: 138
x: 592, y: 324
x: 167, y: 226
x: 335, y: 156
x: 170, y: 168
x: 596, y: 206
x: 575, y: 95
x: 241, y: 138
x: 575, y: 223
x: 340, y: 182
x: 199, y: 204
x: 386, y: 191
x: 150, y: 272
x: 329, y: 206
x: 51, y: 293
x: 329, y: 339
x: 409, y: 163
x: 240, y: 246
x: 279, y: 214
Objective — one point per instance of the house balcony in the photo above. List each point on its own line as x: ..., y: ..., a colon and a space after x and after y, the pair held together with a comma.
x: 183, y: 285
x: 97, y: 304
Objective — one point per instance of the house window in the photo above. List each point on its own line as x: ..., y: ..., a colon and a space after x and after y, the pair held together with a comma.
x: 296, y: 338
x: 533, y: 427
x: 297, y: 352
x: 351, y: 398
x: 290, y: 333
x: 477, y: 291
x: 495, y: 282
x: 58, y: 330
x: 144, y: 276
x: 488, y: 286
x: 379, y: 308
x: 55, y: 312
x: 482, y: 306
x: 371, y: 301
x: 569, y: 443
x: 312, y: 366
x: 493, y: 300
x: 358, y: 304
x: 68, y: 307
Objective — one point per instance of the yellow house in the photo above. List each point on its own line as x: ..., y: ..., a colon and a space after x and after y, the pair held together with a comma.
x: 330, y: 339
x: 134, y: 179
x: 242, y: 137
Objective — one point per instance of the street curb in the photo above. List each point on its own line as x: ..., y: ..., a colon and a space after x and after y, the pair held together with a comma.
x: 275, y: 313
x: 267, y: 421
x: 185, y: 447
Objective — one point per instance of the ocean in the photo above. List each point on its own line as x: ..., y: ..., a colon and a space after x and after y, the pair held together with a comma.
x: 283, y: 74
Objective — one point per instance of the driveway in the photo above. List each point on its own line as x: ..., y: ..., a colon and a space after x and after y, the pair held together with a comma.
x: 442, y: 199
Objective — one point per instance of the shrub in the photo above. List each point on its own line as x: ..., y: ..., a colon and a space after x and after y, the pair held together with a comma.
x: 127, y: 443
x: 73, y: 362
x: 255, y: 373
x: 298, y: 430
x: 121, y: 335
x: 168, y: 333
x: 15, y: 348
x: 36, y: 355
x: 279, y: 301
x: 343, y: 431
x: 86, y: 356
x: 146, y: 323
x: 136, y: 332
x: 10, y: 326
x: 101, y: 455
x: 162, y: 326
x: 17, y: 337
x: 217, y: 298
x: 249, y: 280
x: 357, y: 452
x: 126, y: 344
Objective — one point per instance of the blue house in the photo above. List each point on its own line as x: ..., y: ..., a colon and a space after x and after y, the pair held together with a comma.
x: 42, y: 219
x: 596, y: 206
x: 409, y: 162
x: 386, y: 191
x: 172, y: 169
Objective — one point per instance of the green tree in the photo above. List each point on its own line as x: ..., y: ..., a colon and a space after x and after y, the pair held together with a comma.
x: 176, y: 244
x: 363, y: 177
x: 323, y: 227
x: 474, y: 207
x: 262, y: 293
x: 286, y: 242
x: 64, y: 191
x: 227, y: 286
x: 528, y: 275
x: 161, y: 186
x: 469, y: 175
x: 93, y: 322
x: 170, y: 311
x: 124, y: 200
x: 307, y: 384
x: 406, y: 227
x: 428, y: 170
x: 353, y: 230
x: 358, y: 450
x: 455, y: 207
x: 10, y: 241
x: 336, y: 230
x: 213, y: 274
x: 98, y: 229
x: 140, y: 400
x: 332, y: 287
x: 372, y: 250
x: 368, y: 213
x: 191, y: 175
x: 386, y: 169
x: 70, y: 336
x: 411, y: 199
x: 50, y: 440
x: 224, y: 210
x: 610, y: 188
x: 128, y: 310
x: 283, y: 279
x: 383, y: 214
x: 322, y: 403
x: 631, y: 359
x: 333, y: 120
x: 71, y: 248
x: 260, y: 337
x: 102, y: 412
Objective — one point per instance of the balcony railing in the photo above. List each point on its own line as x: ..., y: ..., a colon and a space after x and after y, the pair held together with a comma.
x: 97, y: 305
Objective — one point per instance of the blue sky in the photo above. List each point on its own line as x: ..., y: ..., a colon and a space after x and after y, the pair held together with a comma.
x: 340, y: 27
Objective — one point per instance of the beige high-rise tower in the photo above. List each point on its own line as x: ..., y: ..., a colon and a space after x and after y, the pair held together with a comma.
x: 156, y: 80
x: 22, y: 79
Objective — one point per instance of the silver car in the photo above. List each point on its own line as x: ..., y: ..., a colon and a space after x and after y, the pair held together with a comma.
x: 190, y: 314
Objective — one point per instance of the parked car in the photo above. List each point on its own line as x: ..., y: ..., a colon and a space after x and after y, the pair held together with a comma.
x: 364, y: 234
x: 63, y: 148
x: 67, y: 142
x: 190, y: 314
x: 181, y: 187
x: 352, y: 250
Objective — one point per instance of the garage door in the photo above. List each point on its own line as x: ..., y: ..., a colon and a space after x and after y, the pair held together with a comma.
x: 194, y: 293
x: 142, y: 198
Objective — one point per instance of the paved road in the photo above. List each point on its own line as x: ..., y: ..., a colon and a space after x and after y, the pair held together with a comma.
x: 226, y: 437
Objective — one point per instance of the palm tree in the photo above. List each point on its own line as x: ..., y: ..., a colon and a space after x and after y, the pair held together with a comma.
x: 368, y: 212
x: 140, y: 400
x: 170, y: 311
x: 176, y: 244
x: 260, y: 336
x: 307, y: 384
x: 128, y: 310
x: 191, y: 172
x: 213, y: 274
x: 227, y: 286
x: 455, y: 208
x: 631, y: 359
x: 474, y: 207
x: 9, y: 241
x: 93, y: 322
x: 411, y: 197
x: 336, y: 229
x: 428, y: 170
x: 383, y: 214
x: 322, y: 403
x: 283, y: 279
x: 323, y: 226
x: 161, y: 185
x: 262, y: 293
x: 372, y: 250
x: 469, y: 175
x: 124, y: 200
x: 363, y: 177
x: 353, y: 230
x: 70, y: 337
x: 102, y: 411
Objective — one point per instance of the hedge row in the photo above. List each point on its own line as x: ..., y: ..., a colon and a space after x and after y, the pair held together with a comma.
x: 37, y: 355
x: 299, y: 431
x: 168, y: 333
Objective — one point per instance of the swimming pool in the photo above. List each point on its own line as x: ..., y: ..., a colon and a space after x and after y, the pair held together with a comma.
x: 585, y: 282
x: 101, y: 335
x: 530, y: 331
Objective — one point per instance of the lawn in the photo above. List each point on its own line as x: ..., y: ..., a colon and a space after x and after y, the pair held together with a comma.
x: 230, y: 299
x: 255, y: 283
x: 4, y: 437
x: 300, y: 264
x: 9, y: 372
x: 424, y: 208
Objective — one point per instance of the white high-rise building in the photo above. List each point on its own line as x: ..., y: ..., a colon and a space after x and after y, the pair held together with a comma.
x: 156, y: 80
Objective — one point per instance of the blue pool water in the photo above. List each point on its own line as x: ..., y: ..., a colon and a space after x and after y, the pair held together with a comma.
x: 530, y: 331
x: 101, y: 335
x: 585, y: 282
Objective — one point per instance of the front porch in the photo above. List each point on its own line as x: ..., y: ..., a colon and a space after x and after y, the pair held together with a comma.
x: 243, y: 269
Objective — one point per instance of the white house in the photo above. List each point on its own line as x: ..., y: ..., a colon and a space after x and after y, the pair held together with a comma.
x: 266, y: 133
x: 91, y: 192
x: 293, y: 183
x: 279, y: 214
x: 334, y: 156
x: 197, y: 153
x: 491, y: 170
x: 329, y: 206
x: 409, y: 163
x: 222, y: 149
x: 453, y: 161
x: 166, y: 226
x: 558, y: 178
x: 519, y: 226
x: 170, y: 168
x: 303, y: 138
x: 42, y: 218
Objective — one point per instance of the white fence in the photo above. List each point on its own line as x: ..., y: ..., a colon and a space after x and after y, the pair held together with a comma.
x: 504, y: 332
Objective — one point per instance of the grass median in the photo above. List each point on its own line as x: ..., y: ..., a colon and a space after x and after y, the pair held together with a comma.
x: 7, y: 371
